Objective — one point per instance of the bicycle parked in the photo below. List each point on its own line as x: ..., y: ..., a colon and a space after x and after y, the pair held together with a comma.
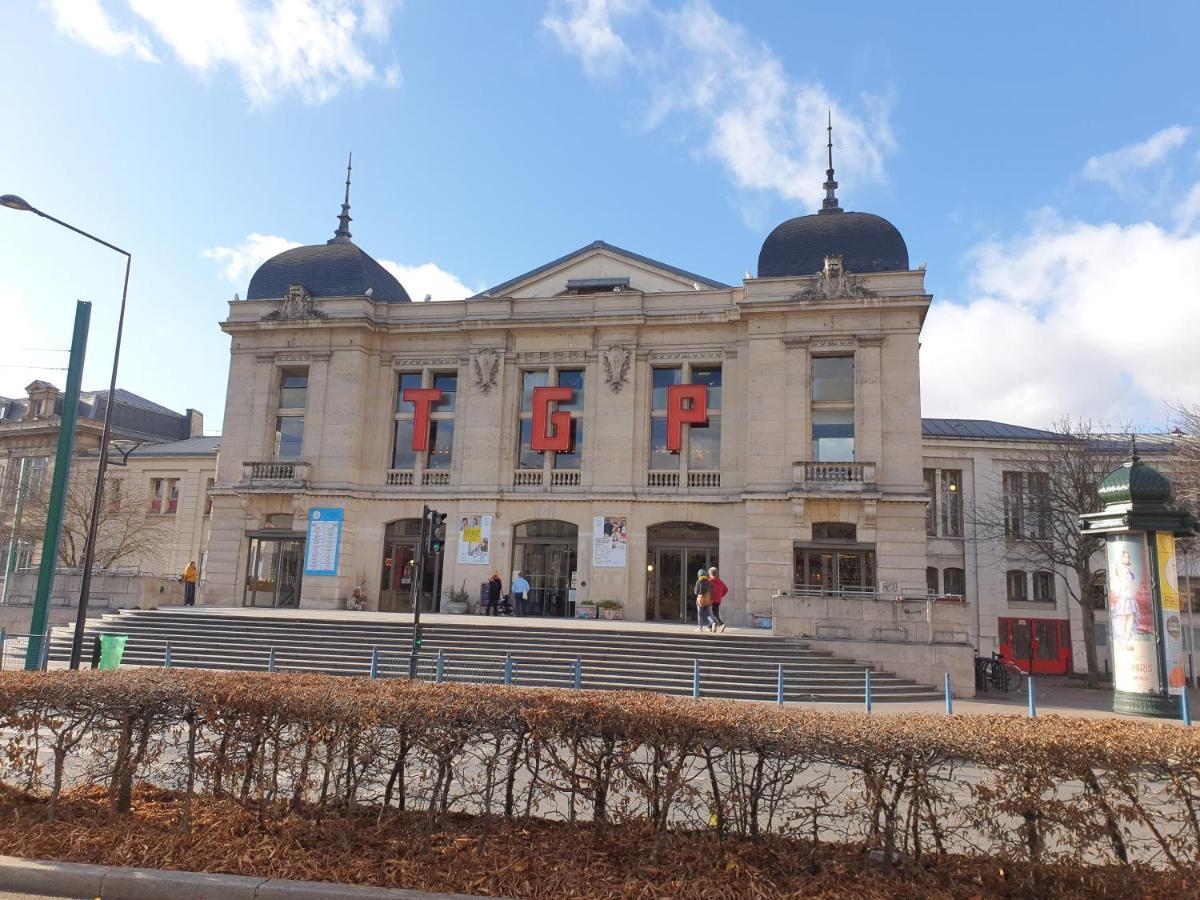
x: 997, y: 674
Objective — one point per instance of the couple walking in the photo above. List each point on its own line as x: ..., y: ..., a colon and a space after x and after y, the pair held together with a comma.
x: 710, y: 591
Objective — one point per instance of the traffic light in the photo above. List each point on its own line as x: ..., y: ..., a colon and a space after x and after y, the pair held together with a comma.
x: 437, y: 529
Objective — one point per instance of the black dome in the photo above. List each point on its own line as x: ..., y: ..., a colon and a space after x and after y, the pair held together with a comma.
x: 866, y: 243
x: 337, y: 269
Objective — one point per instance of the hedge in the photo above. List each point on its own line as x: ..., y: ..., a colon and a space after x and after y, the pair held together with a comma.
x: 1042, y: 791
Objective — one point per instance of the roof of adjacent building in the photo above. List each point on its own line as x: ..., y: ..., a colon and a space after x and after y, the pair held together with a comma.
x: 92, y: 399
x: 500, y: 289
x: 195, y: 446
x: 339, y: 268
x: 984, y: 429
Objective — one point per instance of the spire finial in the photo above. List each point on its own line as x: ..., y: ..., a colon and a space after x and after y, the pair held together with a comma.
x: 342, y: 235
x: 830, y: 204
x: 1134, y: 458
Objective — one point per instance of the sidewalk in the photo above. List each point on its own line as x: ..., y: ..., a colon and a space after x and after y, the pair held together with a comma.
x: 46, y: 878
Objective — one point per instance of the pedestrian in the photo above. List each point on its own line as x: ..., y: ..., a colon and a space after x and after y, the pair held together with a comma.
x: 190, y: 574
x: 519, y: 588
x: 493, y: 595
x: 703, y: 592
x: 719, y: 590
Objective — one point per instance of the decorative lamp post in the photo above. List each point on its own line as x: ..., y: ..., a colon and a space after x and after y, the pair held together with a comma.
x: 1145, y: 625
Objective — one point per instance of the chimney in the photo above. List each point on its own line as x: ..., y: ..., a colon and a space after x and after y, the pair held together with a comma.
x: 195, y: 420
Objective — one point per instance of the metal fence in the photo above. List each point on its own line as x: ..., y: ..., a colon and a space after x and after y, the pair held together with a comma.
x: 14, y: 650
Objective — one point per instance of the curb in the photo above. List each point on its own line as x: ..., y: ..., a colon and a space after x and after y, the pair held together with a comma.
x: 65, y: 879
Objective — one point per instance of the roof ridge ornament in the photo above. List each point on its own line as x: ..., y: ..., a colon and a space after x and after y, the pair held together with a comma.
x: 342, y: 235
x: 830, y: 203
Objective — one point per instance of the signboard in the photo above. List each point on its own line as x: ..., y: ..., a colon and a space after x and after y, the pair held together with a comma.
x: 324, y: 544
x: 1168, y: 587
x: 610, y: 541
x: 475, y: 540
x: 1131, y: 614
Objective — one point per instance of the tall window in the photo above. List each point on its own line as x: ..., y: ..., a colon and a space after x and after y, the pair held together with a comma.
x: 1026, y: 505
x: 954, y: 582
x: 571, y: 458
x: 833, y: 408
x: 944, y: 514
x: 1018, y: 586
x: 439, y: 455
x: 208, y: 487
x: 1043, y: 587
x: 289, y: 418
x: 164, y: 496
x: 931, y: 579
x: 701, y: 442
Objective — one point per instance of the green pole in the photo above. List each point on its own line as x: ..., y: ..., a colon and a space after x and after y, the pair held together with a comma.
x: 58, y: 487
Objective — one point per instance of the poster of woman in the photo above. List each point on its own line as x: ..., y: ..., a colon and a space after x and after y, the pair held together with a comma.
x: 474, y: 540
x: 1131, y: 610
x: 610, y: 541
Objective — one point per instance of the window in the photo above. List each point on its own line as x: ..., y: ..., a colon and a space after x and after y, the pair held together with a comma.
x: 440, y: 440
x: 571, y: 458
x: 847, y: 532
x: 954, y: 582
x: 289, y: 418
x: 112, y: 494
x: 1043, y: 587
x: 700, y: 446
x: 832, y: 570
x: 208, y: 487
x: 1018, y: 588
x: 164, y: 496
x: 1026, y: 505
x: 833, y: 408
x: 931, y: 580
x: 944, y: 514
x: 930, y: 480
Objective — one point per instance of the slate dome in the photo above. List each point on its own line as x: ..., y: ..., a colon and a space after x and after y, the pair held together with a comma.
x: 1135, y: 483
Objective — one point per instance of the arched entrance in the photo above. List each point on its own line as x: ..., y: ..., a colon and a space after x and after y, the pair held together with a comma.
x: 675, y: 552
x: 546, y: 553
x: 401, y: 540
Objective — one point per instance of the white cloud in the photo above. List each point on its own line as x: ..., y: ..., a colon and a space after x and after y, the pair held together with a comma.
x: 86, y: 20
x: 1115, y: 168
x: 308, y: 48
x: 1187, y: 213
x: 240, y: 262
x: 702, y: 70
x: 24, y: 345
x: 1071, y: 318
x: 427, y: 278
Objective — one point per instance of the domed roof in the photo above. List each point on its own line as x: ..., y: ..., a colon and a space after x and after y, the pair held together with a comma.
x: 1135, y: 483
x: 337, y: 268
x: 865, y: 242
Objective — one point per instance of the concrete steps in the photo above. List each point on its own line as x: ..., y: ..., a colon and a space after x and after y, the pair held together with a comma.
x: 732, y: 665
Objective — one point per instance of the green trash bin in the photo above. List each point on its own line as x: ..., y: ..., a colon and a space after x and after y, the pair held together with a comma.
x: 112, y: 647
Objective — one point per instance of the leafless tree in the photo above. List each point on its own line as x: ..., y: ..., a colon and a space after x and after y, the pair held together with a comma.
x: 1033, y: 514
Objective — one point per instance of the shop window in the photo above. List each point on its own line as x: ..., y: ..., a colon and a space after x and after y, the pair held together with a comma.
x: 1018, y: 586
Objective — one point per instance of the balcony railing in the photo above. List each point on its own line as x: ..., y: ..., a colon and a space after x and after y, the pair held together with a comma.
x: 527, y: 478
x: 399, y: 478
x: 435, y: 479
x: 276, y: 474
x: 559, y: 478
x: 704, y: 479
x: 564, y: 478
x: 854, y: 476
x: 670, y: 478
x: 662, y: 479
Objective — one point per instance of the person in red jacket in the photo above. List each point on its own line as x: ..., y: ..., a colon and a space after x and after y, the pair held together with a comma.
x: 719, y: 590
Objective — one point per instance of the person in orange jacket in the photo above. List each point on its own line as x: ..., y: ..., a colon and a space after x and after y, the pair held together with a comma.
x: 190, y: 574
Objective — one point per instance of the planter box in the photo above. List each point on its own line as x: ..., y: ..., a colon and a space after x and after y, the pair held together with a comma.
x: 585, y: 612
x: 758, y: 620
x: 454, y: 609
x: 612, y: 614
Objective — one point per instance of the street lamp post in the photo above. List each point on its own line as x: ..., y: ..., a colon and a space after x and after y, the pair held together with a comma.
x: 89, y: 555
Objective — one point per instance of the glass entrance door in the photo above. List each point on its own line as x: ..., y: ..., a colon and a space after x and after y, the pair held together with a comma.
x: 671, y: 582
x: 274, y: 568
x: 400, y: 543
x: 550, y: 570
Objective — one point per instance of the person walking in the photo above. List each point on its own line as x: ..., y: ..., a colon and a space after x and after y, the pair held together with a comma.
x: 719, y: 590
x: 493, y: 595
x: 190, y: 574
x: 519, y: 589
x: 703, y: 592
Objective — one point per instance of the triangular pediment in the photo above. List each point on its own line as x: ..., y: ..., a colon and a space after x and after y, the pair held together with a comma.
x: 601, y: 267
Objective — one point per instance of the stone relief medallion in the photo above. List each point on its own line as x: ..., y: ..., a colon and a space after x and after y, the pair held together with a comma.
x: 616, y: 362
x: 485, y: 367
x: 298, y: 304
x: 834, y: 283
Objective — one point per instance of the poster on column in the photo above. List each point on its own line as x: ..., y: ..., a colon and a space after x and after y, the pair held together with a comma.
x: 475, y: 540
x: 1168, y: 587
x: 324, y: 543
x: 1131, y: 614
x: 610, y: 541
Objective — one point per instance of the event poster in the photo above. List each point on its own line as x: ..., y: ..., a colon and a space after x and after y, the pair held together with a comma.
x: 1168, y: 588
x: 475, y: 540
x: 1131, y: 614
x: 324, y: 541
x: 610, y: 541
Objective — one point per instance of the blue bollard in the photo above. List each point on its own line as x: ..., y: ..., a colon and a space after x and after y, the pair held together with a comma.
x: 1032, y: 699
x: 779, y: 686
x: 3, y: 636
x: 1183, y: 705
x: 271, y: 661
x: 867, y: 690
x: 374, y: 662
x: 440, y: 674
x: 167, y: 656
x: 578, y: 672
x: 949, y: 697
x: 695, y: 679
x: 508, y: 668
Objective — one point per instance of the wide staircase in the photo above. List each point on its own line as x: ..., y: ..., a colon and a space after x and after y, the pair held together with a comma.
x: 735, y: 665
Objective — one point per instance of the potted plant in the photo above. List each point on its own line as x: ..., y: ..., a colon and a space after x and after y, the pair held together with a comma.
x: 611, y: 609
x: 586, y: 610
x: 458, y: 599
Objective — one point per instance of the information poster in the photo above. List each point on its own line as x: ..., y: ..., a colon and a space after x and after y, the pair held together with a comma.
x: 324, y: 543
x: 1168, y: 587
x: 610, y: 541
x: 475, y: 540
x: 1131, y: 614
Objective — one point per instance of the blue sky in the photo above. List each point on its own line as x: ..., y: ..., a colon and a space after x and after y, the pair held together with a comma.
x: 1043, y: 159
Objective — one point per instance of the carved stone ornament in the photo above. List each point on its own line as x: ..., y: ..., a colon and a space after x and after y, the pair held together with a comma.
x: 834, y: 283
x: 298, y: 304
x: 616, y: 362
x: 485, y: 366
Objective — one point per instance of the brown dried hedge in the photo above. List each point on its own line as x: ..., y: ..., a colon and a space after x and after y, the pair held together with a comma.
x: 1046, y: 791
